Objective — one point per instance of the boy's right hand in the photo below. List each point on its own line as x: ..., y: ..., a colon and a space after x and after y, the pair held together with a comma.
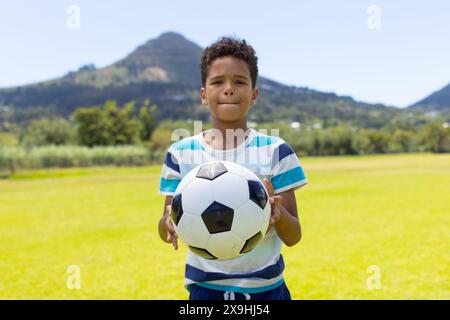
x: 171, y: 234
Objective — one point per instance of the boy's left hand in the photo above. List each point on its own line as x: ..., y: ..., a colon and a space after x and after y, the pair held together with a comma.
x: 275, y: 202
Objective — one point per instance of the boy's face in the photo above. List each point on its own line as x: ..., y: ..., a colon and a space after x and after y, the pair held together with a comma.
x: 228, y: 89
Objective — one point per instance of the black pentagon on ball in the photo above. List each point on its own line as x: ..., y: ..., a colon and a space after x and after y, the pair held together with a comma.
x: 177, y: 209
x: 257, y: 193
x: 218, y: 218
x: 251, y: 243
x: 211, y: 171
x: 202, y: 253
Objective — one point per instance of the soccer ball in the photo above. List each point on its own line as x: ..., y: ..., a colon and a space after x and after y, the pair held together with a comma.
x: 220, y: 210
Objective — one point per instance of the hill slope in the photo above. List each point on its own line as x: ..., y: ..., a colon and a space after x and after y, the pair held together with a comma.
x: 165, y: 70
x: 437, y: 101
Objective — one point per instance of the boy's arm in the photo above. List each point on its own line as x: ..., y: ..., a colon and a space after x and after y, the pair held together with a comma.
x: 288, y: 226
x: 284, y: 215
x: 165, y: 226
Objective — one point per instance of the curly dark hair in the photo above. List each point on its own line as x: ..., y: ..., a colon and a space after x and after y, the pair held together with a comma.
x: 228, y: 46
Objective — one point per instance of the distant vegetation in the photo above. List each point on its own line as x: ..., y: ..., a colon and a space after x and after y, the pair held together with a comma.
x: 104, y: 116
x: 110, y: 134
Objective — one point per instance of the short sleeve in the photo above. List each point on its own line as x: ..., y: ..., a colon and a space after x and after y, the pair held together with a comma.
x: 170, y: 175
x: 287, y: 173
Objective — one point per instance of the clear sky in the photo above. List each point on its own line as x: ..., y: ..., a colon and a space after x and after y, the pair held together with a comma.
x: 394, y: 53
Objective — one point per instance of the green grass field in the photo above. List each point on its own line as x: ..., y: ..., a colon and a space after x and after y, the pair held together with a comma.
x: 391, y: 211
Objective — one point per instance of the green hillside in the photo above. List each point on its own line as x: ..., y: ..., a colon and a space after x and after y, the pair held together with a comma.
x: 165, y: 70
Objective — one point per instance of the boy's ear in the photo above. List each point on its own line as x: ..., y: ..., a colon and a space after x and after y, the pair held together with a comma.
x: 255, y: 94
x: 203, y: 96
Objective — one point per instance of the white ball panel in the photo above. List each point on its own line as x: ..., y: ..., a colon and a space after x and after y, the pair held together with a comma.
x: 248, y: 220
x: 192, y: 231
x: 225, y: 245
x: 244, y: 172
x: 197, y: 196
x: 231, y: 190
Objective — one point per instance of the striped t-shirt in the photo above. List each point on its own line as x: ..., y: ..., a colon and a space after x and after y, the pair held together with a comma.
x: 268, y: 157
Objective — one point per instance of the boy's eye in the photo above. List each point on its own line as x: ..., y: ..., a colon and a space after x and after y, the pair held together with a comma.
x: 220, y: 82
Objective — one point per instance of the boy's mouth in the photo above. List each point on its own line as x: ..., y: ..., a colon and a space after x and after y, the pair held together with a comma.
x: 228, y: 103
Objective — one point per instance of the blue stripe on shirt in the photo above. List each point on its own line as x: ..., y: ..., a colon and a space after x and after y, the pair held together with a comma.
x: 269, y: 272
x: 168, y: 185
x: 287, y: 178
x: 281, y: 152
x: 188, y: 144
x: 261, y: 141
x: 171, y: 162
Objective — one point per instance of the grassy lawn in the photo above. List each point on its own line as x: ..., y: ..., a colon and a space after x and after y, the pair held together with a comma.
x: 388, y: 211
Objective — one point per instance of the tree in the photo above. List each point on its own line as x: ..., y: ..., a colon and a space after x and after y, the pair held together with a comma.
x: 340, y: 140
x: 371, y: 141
x: 8, y: 139
x: 436, y: 138
x: 91, y: 126
x: 402, y: 141
x: 57, y: 131
x: 121, y: 127
x: 109, y: 125
x: 378, y: 141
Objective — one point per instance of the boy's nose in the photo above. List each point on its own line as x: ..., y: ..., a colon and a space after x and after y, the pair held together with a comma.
x: 229, y: 88
x: 229, y: 92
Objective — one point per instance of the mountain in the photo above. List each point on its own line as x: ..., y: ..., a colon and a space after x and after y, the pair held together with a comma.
x: 437, y: 101
x: 165, y: 70
x: 170, y: 58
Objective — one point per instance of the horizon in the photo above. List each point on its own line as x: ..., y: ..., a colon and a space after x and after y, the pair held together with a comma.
x: 395, y: 56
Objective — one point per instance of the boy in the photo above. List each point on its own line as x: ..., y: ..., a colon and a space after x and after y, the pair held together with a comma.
x: 229, y: 72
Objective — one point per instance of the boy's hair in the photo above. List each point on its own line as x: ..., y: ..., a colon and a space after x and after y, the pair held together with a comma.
x: 228, y: 46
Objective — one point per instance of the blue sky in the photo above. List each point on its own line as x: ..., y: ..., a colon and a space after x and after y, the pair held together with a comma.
x: 324, y: 45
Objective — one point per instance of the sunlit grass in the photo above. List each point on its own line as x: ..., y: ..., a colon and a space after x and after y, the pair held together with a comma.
x: 392, y: 211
